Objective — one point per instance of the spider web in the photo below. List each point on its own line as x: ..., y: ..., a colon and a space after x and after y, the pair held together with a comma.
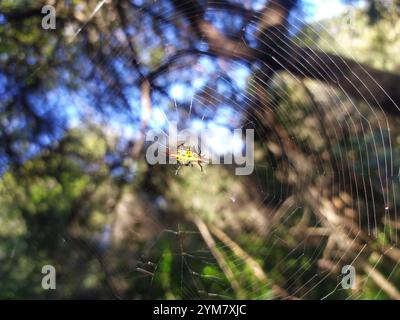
x: 336, y: 115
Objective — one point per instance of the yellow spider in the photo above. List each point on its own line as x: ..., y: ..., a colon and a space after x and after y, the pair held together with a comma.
x: 186, y: 157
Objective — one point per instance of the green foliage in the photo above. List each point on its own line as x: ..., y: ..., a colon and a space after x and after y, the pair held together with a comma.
x: 57, y: 206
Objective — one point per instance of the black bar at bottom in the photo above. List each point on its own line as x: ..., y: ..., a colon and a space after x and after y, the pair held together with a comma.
x: 192, y: 309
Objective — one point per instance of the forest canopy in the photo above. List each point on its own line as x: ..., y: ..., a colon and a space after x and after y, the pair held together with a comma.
x: 77, y: 191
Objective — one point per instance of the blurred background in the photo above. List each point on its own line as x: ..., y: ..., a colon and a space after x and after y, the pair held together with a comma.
x: 317, y: 81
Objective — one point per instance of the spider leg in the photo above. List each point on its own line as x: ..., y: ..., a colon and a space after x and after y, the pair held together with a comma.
x: 201, y: 167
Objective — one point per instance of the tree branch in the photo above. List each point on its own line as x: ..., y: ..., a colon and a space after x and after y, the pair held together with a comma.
x: 375, y: 87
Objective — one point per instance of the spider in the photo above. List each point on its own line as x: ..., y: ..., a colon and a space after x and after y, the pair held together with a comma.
x: 186, y: 157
